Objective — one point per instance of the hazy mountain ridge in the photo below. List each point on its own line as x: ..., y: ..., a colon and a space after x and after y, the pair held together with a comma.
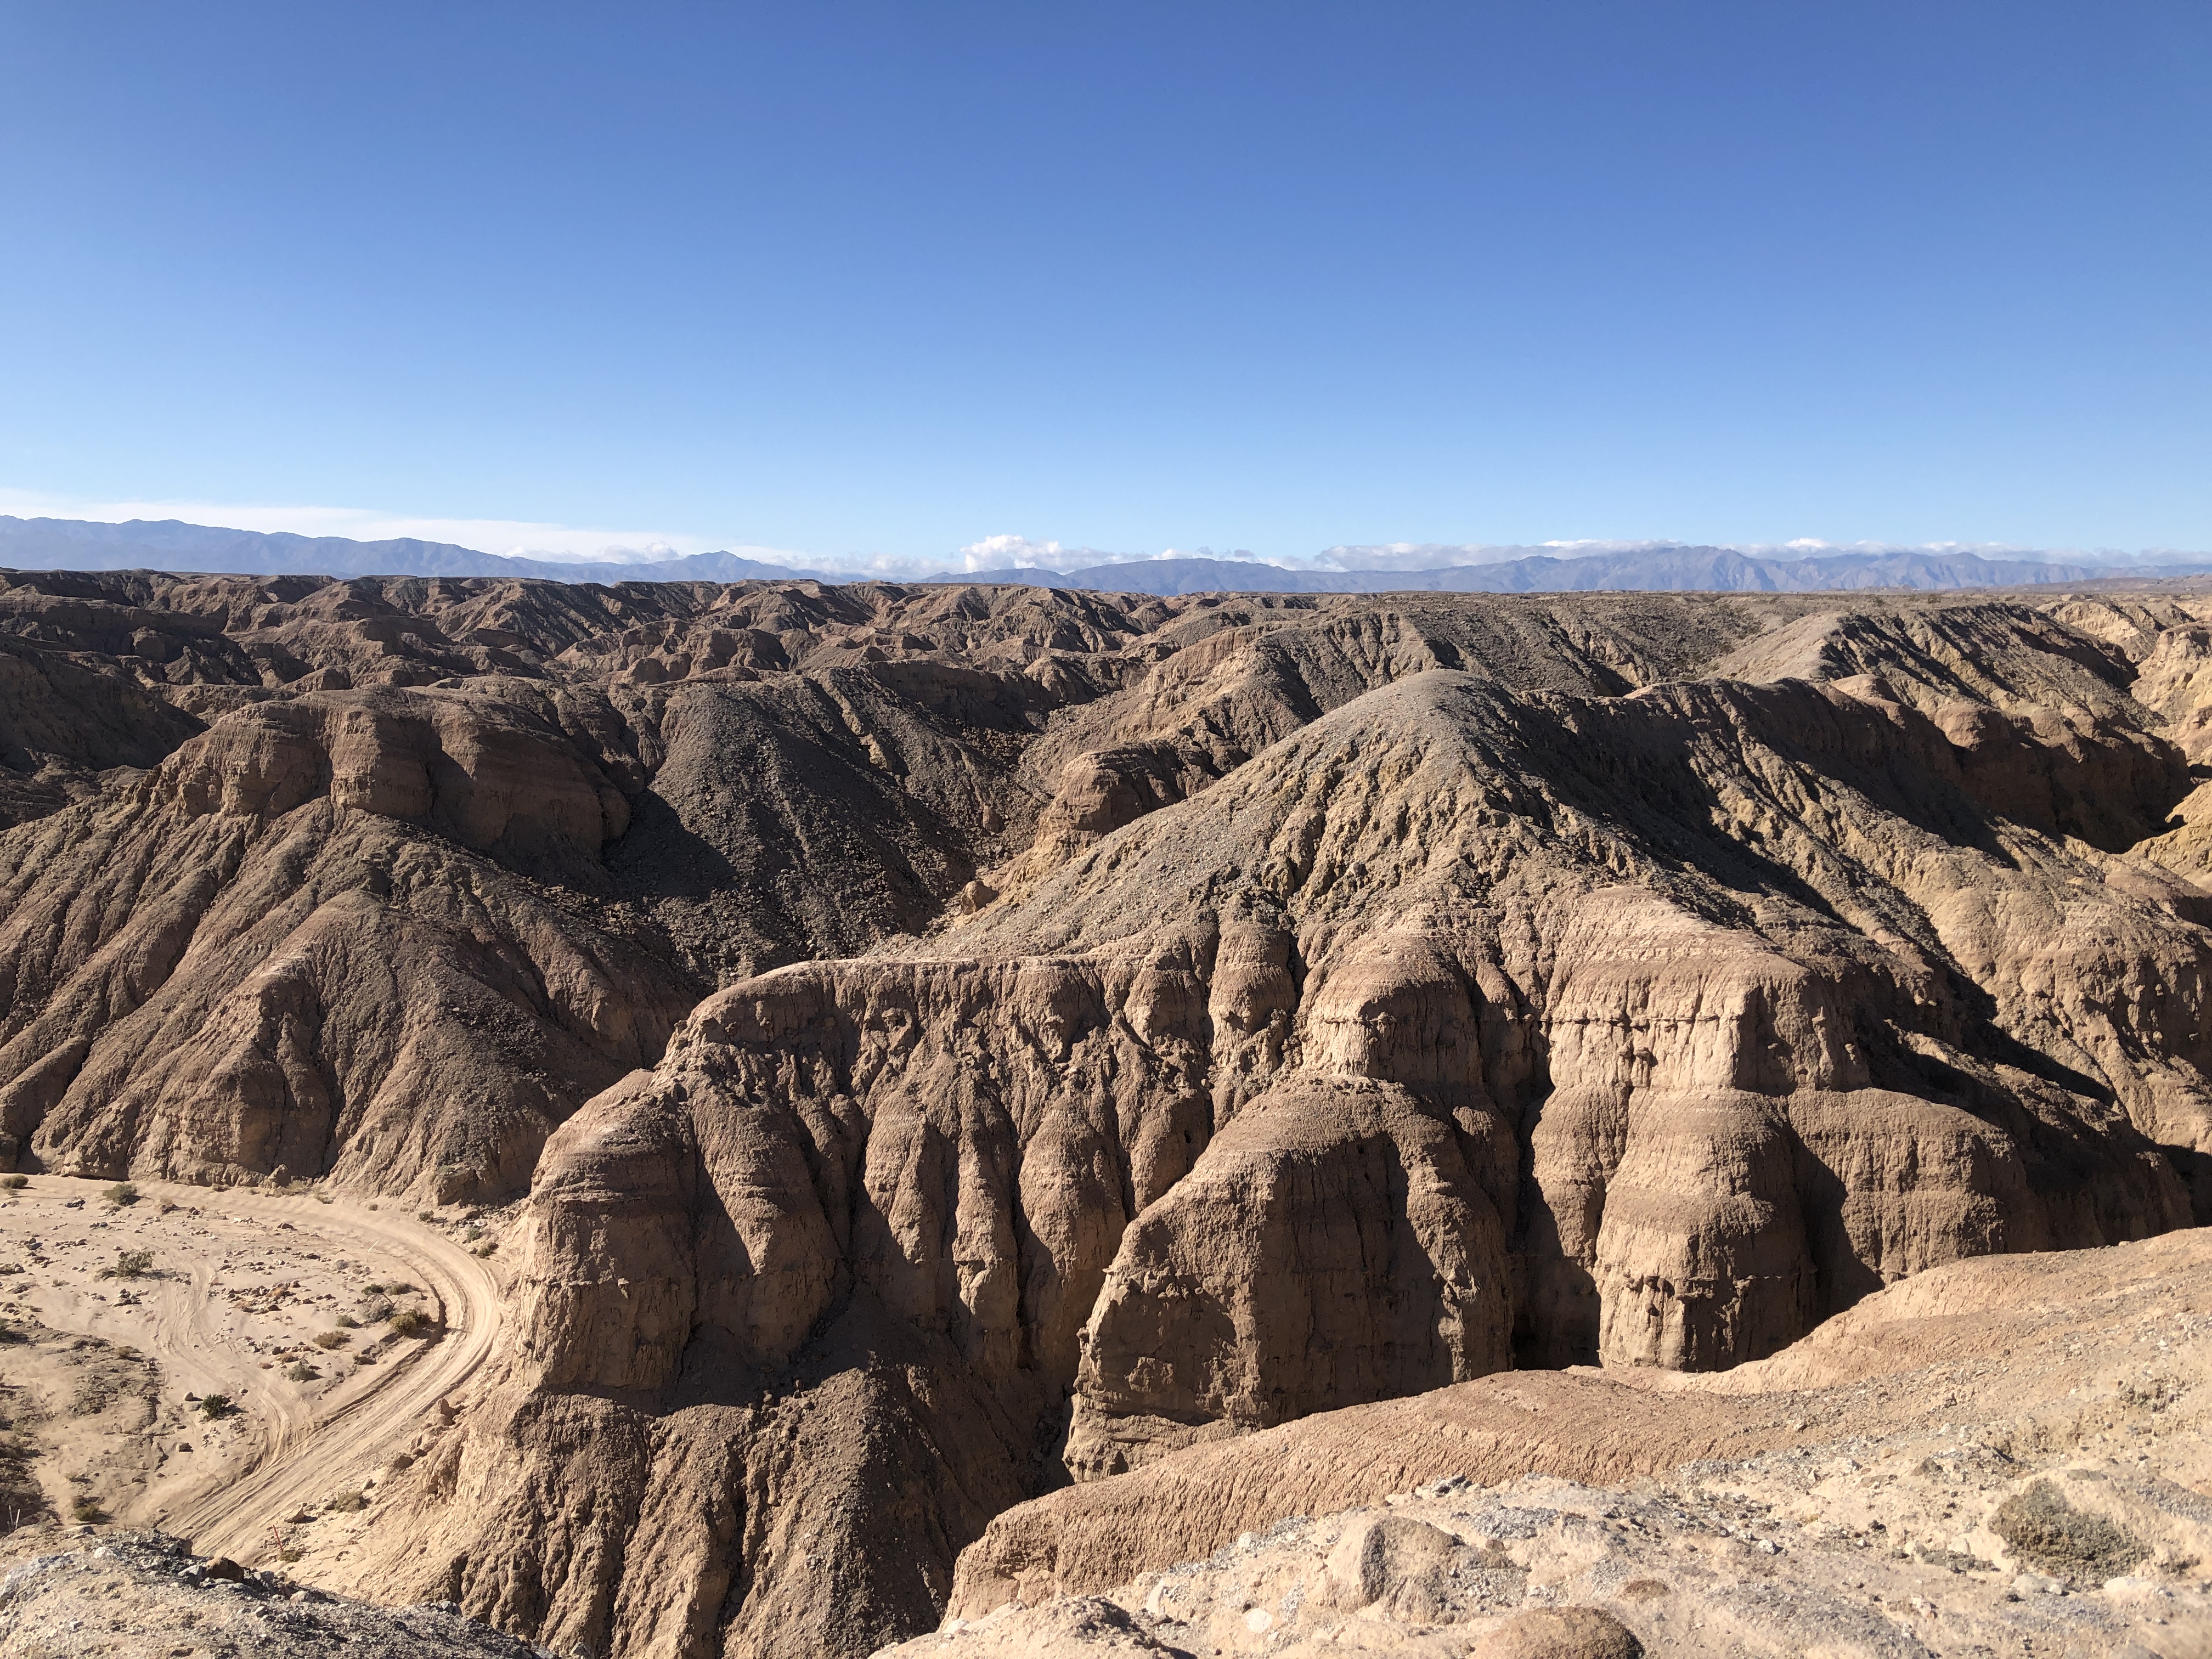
x: 171, y: 544
x: 1674, y: 570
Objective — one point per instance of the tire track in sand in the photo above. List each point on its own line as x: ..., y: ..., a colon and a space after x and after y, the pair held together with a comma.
x: 308, y: 1453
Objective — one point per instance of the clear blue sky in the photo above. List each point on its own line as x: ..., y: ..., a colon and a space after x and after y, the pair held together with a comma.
x: 890, y: 278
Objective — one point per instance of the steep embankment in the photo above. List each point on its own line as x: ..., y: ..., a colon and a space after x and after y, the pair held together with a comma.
x: 959, y: 1037
x: 1470, y: 1022
x: 2003, y: 1454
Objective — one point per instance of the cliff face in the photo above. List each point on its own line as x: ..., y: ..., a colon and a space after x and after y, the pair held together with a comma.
x: 1468, y: 1025
x: 1926, y: 1471
x: 1120, y: 1023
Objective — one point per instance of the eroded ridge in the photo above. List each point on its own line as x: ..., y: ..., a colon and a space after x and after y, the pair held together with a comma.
x: 955, y: 1039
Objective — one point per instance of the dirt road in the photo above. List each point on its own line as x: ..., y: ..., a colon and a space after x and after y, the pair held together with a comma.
x: 349, y: 1435
x: 242, y: 1275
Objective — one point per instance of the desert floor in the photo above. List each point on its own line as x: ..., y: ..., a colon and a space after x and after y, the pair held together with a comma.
x: 281, y: 1301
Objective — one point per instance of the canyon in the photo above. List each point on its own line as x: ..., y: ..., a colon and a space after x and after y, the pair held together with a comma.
x: 945, y: 1066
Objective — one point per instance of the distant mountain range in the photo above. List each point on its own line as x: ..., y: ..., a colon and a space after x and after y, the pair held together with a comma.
x: 1672, y: 569
x: 170, y: 544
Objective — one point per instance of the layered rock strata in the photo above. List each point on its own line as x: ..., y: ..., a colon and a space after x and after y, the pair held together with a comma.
x: 1468, y: 1025
x: 1116, y: 1025
x: 2004, y: 1455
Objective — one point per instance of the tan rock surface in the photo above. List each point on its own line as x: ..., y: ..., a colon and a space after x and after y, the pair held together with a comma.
x: 2003, y: 1456
x: 1115, y: 1024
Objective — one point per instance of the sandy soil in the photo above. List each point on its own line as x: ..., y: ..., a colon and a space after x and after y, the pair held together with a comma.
x: 107, y: 1376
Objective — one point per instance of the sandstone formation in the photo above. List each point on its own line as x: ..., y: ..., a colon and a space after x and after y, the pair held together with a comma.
x: 958, y: 1040
x: 2004, y: 1455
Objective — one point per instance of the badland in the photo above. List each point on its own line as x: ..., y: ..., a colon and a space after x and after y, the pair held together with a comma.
x: 1033, y: 1120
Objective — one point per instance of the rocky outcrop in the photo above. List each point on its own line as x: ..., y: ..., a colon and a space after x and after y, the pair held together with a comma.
x: 1468, y: 1025
x: 2004, y: 1453
x: 1116, y: 1025
x: 381, y: 879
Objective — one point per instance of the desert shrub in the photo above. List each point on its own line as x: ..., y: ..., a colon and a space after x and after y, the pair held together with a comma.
x: 348, y: 1322
x: 133, y: 1264
x: 331, y: 1338
x: 377, y: 1310
x: 300, y: 1371
x: 348, y: 1502
x: 409, y: 1321
x: 14, y: 1183
x: 86, y: 1509
x: 472, y: 1232
x: 426, y: 1215
x: 121, y: 1193
x: 217, y: 1406
x: 2051, y: 1534
x: 288, y: 1554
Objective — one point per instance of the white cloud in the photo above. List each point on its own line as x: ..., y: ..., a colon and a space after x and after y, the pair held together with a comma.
x: 1011, y: 553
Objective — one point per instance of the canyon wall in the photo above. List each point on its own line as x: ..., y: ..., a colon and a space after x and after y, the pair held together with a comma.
x: 955, y: 1042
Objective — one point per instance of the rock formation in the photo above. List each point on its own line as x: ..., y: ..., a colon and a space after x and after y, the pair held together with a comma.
x: 956, y: 1041
x: 2005, y: 1453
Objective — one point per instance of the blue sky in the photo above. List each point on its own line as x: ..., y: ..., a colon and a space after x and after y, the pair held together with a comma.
x: 881, y: 281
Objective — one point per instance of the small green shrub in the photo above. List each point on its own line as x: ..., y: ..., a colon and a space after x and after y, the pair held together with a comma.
x: 348, y: 1502
x: 14, y: 1183
x: 86, y: 1509
x: 331, y: 1338
x: 216, y: 1407
x: 409, y: 1321
x: 288, y: 1555
x: 348, y: 1322
x: 133, y: 1264
x: 120, y: 1194
x: 300, y: 1371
